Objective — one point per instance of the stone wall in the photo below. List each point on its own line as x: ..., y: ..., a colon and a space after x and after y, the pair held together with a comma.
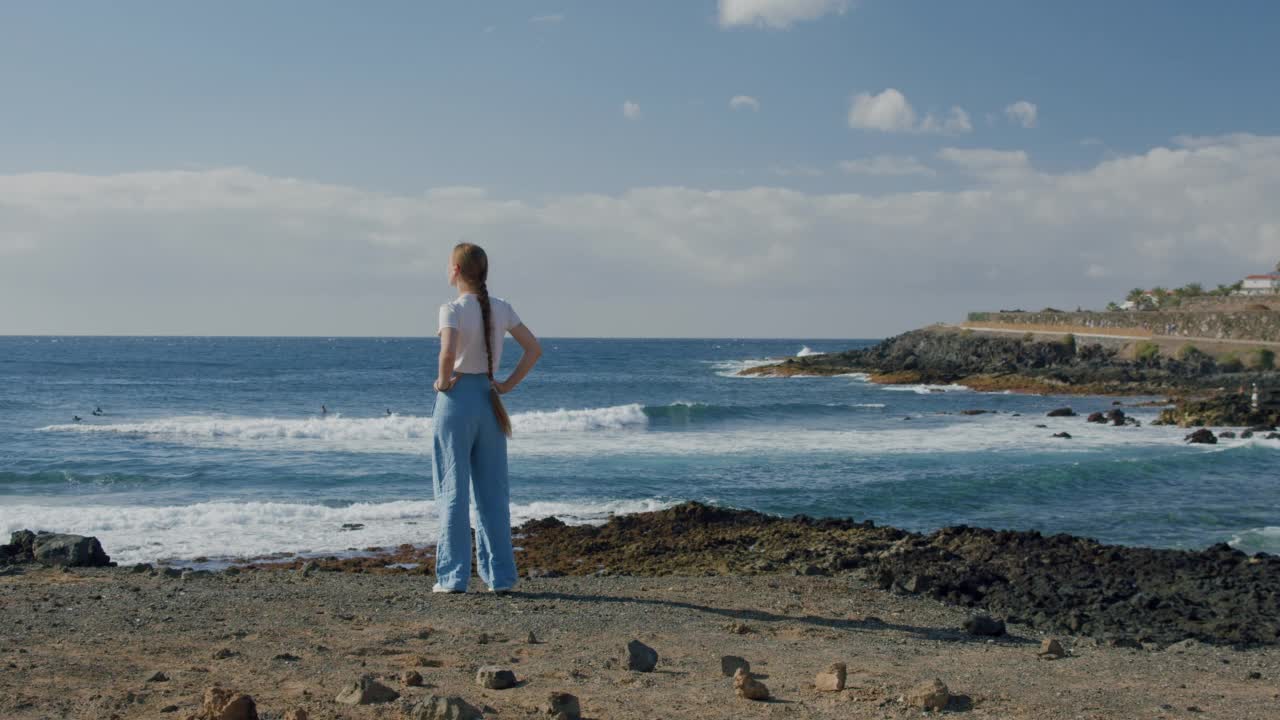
x: 1231, y: 303
x: 1234, y: 326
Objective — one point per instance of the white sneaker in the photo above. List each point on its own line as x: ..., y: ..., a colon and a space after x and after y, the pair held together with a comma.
x: 441, y: 589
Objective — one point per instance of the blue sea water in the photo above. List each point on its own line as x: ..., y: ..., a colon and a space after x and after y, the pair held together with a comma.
x: 215, y: 447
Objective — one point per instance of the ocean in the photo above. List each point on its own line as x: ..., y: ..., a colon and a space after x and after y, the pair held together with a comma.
x: 209, y: 449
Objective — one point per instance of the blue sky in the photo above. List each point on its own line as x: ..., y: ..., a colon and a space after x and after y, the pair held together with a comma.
x: 525, y: 101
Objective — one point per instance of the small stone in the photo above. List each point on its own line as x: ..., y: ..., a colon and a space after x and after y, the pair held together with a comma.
x: 310, y: 568
x: 444, y: 708
x: 411, y: 678
x: 563, y: 706
x: 641, y: 657
x: 224, y: 653
x: 1064, y: 435
x: 424, y: 633
x: 171, y: 572
x: 1125, y: 642
x: 141, y: 568
x: 158, y: 676
x: 287, y: 657
x: 730, y: 664
x: 739, y: 628
x: 929, y: 695
x: 296, y: 714
x: 366, y: 691
x: 483, y: 639
x: 223, y: 704
x: 169, y: 709
x: 1255, y: 675
x: 1051, y: 649
x: 748, y: 687
x: 833, y: 679
x: 495, y: 678
x: 984, y: 626
x: 233, y: 570
x: 1061, y: 412
x: 532, y: 639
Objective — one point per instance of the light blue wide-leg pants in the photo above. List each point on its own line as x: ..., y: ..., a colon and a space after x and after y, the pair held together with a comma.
x: 470, y: 459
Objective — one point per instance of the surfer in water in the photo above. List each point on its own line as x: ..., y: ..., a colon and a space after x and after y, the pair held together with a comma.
x: 324, y: 410
x: 76, y: 418
x: 97, y: 411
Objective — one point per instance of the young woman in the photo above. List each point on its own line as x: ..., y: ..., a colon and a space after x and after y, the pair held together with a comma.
x: 472, y: 427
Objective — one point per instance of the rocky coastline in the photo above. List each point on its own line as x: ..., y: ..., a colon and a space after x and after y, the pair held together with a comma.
x: 694, y: 606
x: 987, y: 362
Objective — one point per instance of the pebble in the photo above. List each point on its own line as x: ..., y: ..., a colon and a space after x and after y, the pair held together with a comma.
x: 411, y: 678
x: 563, y: 706
x: 532, y: 639
x: 443, y: 708
x: 1255, y: 675
x: 729, y: 665
x: 984, y: 626
x: 929, y: 695
x: 224, y: 653
x: 141, y: 568
x: 1051, y: 649
x: 833, y: 679
x: 366, y: 691
x: 424, y: 633
x: 748, y: 687
x: 495, y: 678
x: 225, y: 704
x: 158, y: 676
x: 641, y: 657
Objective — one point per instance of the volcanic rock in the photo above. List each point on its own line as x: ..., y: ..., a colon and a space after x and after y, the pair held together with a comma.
x: 748, y: 687
x: 641, y: 657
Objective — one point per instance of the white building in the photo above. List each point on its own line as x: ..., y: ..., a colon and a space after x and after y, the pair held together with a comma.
x: 1268, y: 284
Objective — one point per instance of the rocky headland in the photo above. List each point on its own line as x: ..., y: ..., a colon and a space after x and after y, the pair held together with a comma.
x: 999, y: 362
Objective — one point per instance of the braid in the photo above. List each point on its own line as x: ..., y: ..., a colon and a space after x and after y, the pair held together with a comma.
x: 486, y: 313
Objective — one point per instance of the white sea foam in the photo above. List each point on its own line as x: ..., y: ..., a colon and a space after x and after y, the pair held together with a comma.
x: 1263, y: 539
x: 132, y: 534
x: 620, y: 432
x: 732, y: 368
x: 806, y: 351
x: 926, y: 389
x: 341, y: 429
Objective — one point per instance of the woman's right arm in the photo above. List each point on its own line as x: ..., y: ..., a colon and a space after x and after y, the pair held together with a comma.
x: 532, y: 351
x: 448, y: 351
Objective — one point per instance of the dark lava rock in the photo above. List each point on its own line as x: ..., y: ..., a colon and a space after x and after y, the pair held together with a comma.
x: 1226, y: 434
x: 641, y: 657
x: 984, y: 626
x: 1061, y: 412
x: 1272, y: 436
x: 54, y: 549
x: 1055, y: 583
x: 1116, y: 416
x: 1097, y: 417
x: 1203, y: 436
x: 1063, y: 435
x: 976, y: 412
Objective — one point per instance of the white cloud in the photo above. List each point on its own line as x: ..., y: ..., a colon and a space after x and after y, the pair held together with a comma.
x: 994, y: 165
x: 1023, y: 112
x: 796, y: 171
x: 889, y: 111
x: 887, y: 165
x: 777, y: 14
x: 232, y: 251
x: 547, y: 19
x: 631, y: 110
x: 743, y: 102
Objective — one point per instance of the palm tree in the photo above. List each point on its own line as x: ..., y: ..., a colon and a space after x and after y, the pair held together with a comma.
x: 1135, y: 295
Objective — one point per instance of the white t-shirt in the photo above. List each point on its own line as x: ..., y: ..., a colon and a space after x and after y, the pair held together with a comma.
x: 464, y: 316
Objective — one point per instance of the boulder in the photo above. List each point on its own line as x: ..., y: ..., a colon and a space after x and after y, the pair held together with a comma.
x: 748, y: 687
x: 54, y: 549
x: 563, y: 706
x: 929, y: 695
x: 436, y: 707
x: 1061, y: 412
x: 984, y: 626
x: 1063, y: 435
x: 1096, y: 417
x: 1116, y: 416
x: 832, y: 679
x: 1202, y: 436
x: 1226, y: 434
x: 223, y: 704
x: 495, y: 678
x: 641, y: 657
x: 411, y: 678
x: 366, y: 691
x: 729, y: 665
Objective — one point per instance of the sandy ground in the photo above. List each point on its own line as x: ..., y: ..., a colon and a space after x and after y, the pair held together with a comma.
x: 82, y: 644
